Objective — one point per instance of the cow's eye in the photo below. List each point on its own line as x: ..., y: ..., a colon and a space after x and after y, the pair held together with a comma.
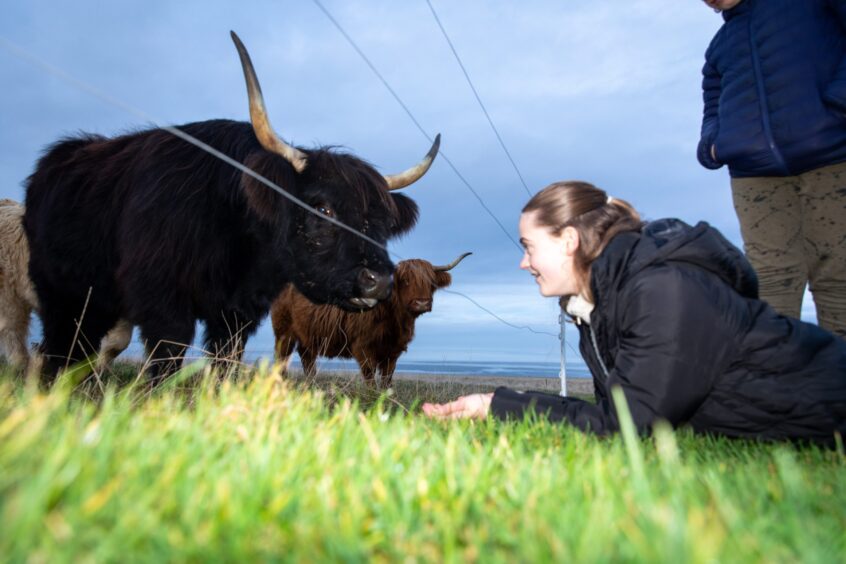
x: 326, y: 210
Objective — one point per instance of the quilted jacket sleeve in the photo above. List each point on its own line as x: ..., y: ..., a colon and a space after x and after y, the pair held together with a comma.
x: 835, y: 92
x: 673, y: 344
x: 710, y: 117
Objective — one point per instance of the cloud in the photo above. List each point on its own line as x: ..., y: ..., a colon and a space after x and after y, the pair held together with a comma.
x: 606, y: 91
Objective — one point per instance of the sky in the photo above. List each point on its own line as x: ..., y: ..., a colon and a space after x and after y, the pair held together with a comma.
x: 603, y: 91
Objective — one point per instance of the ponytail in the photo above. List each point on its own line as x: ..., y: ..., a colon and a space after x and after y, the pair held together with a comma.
x: 596, y: 216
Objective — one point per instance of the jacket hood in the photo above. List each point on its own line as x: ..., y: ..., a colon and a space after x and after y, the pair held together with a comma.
x: 672, y: 240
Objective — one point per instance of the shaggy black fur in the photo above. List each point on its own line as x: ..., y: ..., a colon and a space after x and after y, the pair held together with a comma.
x: 164, y: 234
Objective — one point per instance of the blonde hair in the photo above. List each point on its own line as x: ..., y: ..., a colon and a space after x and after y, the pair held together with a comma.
x: 595, y: 215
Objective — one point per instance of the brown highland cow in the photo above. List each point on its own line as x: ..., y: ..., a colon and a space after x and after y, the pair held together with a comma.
x: 375, y: 338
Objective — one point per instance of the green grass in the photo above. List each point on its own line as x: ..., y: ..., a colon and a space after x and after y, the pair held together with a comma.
x: 264, y: 469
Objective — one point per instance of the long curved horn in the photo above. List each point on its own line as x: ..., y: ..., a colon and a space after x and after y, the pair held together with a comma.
x: 258, y: 114
x: 412, y: 175
x: 451, y: 265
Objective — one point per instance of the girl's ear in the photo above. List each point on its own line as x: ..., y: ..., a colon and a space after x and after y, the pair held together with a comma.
x: 570, y: 240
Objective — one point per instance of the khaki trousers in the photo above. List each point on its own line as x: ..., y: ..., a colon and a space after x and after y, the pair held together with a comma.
x: 794, y: 232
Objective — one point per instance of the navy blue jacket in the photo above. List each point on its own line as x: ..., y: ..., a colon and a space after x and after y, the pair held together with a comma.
x: 678, y: 326
x: 774, y: 85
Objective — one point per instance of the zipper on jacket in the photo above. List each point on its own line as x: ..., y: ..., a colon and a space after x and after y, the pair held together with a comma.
x: 596, y: 352
x: 762, y: 97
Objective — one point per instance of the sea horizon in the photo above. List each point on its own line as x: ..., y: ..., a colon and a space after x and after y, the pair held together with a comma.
x: 481, y: 368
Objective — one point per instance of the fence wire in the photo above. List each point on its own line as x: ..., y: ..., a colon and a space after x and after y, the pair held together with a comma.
x: 48, y: 68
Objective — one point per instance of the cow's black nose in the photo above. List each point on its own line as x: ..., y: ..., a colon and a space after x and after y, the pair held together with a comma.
x: 373, y: 285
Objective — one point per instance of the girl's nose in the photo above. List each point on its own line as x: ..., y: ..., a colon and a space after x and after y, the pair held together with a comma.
x: 524, y: 262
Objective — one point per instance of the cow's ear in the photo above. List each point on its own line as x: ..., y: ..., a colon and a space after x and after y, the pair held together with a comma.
x: 407, y: 213
x: 443, y: 279
x: 263, y: 200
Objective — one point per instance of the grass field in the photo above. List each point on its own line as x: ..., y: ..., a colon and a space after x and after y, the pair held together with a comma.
x: 265, y: 469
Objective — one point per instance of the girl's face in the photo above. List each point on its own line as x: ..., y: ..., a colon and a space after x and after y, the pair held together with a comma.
x: 549, y: 258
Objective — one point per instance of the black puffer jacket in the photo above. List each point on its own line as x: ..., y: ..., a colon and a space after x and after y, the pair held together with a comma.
x: 678, y: 325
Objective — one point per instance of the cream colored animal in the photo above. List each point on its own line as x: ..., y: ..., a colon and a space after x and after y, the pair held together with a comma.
x: 18, y: 299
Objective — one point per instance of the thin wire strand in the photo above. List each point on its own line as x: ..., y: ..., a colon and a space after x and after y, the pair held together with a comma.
x: 492, y: 314
x: 79, y: 84
x: 20, y: 53
x: 478, y: 98
x: 414, y: 119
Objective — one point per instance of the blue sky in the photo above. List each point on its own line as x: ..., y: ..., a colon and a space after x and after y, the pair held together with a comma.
x: 603, y: 91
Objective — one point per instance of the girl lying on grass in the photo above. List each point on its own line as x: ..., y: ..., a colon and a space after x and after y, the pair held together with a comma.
x: 670, y: 313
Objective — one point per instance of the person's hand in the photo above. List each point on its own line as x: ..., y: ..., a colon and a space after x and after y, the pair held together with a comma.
x: 714, y: 152
x: 474, y: 406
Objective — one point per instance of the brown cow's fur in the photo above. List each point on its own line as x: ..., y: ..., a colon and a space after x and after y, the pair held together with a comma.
x: 375, y: 338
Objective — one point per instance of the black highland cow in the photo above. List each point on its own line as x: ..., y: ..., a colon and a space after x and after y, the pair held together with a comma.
x: 162, y: 234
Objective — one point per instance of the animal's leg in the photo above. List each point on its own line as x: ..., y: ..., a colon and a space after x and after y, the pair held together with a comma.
x: 14, y: 329
x: 58, y: 331
x: 114, y: 343
x: 308, y: 358
x: 72, y: 331
x: 367, y: 367
x: 386, y: 368
x: 166, y: 340
x: 284, y: 350
x: 224, y: 340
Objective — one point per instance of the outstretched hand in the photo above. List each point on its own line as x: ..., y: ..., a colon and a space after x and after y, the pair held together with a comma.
x: 474, y: 406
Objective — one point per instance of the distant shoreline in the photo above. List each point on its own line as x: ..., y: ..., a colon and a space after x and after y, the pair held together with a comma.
x: 577, y: 384
x: 475, y: 369
x: 479, y: 383
x: 580, y: 386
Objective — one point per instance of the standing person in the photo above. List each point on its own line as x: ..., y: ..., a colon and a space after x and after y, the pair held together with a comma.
x: 670, y: 313
x: 774, y: 86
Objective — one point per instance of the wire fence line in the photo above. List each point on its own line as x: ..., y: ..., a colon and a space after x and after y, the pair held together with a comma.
x: 492, y: 314
x: 50, y: 69
x: 478, y: 98
x: 559, y: 336
x: 414, y: 120
x: 55, y: 71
